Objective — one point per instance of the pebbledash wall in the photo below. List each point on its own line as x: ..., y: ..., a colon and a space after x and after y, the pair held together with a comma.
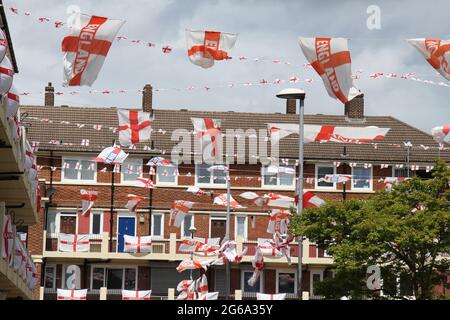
x: 156, y: 271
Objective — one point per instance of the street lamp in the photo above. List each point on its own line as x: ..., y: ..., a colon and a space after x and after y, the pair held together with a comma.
x: 192, y: 230
x: 297, y: 94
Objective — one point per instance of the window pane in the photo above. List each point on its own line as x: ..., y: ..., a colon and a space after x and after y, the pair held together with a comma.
x: 96, y: 229
x: 203, y: 175
x: 286, y: 179
x: 98, y: 278
x: 286, y: 283
x: 115, y: 277
x: 247, y: 288
x: 51, y: 222
x: 49, y: 277
x: 70, y: 172
x: 322, y: 172
x: 130, y: 170
x: 187, y: 225
x: 130, y: 279
x: 361, y: 178
x: 219, y: 177
x: 316, y: 279
x: 401, y: 172
x: 157, y: 225
x: 240, y: 227
x: 269, y: 179
x: 166, y: 174
x: 87, y: 174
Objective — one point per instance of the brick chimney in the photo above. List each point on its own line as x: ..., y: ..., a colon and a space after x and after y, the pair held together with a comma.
x: 147, y: 98
x: 354, y: 109
x: 49, y: 95
x: 291, y: 106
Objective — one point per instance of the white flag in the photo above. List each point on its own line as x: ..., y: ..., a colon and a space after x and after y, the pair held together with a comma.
x: 66, y: 294
x: 136, y: 295
x: 437, y: 53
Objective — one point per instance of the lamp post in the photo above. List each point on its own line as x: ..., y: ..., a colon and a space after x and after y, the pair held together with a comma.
x: 298, y: 94
x: 192, y: 230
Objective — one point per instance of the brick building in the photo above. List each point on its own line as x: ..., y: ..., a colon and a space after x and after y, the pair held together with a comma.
x: 71, y: 135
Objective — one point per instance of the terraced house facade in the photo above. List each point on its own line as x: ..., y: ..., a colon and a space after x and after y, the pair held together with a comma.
x: 69, y: 138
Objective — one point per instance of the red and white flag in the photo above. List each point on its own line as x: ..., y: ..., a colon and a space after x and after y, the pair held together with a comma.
x: 73, y: 242
x: 192, y: 264
x: 20, y: 258
x: 67, y: 294
x: 310, y: 200
x: 178, y: 210
x: 437, y: 53
x: 318, y: 133
x: 200, y: 246
x: 221, y: 200
x: 159, y: 162
x: 250, y: 195
x: 136, y: 295
x: 208, y: 296
x: 3, y: 45
x: 389, y: 182
x: 439, y: 133
x: 88, y: 199
x: 133, y: 202
x: 6, y: 75
x: 134, y: 126
x: 272, y: 169
x: 265, y: 296
x: 210, y: 135
x: 137, y: 244
x: 204, y: 47
x: 145, y: 183
x: 330, y: 57
x: 331, y: 178
x: 112, y: 155
x: 29, y: 155
x: 86, y: 48
x: 279, y: 221
x: 197, y: 191
x: 278, y: 200
x: 228, y: 251
x: 12, y: 102
x: 7, y: 239
x: 192, y: 289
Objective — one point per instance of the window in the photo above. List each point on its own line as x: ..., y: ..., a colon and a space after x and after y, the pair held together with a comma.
x: 67, y: 223
x: 51, y: 222
x: 98, y: 278
x: 315, y: 279
x: 362, y: 178
x: 240, y: 227
x: 400, y: 172
x: 203, y: 176
x: 130, y: 279
x: 79, y: 169
x: 115, y: 279
x: 281, y: 179
x: 246, y: 275
x: 186, y: 225
x: 158, y: 225
x: 131, y: 170
x: 96, y: 223
x: 50, y: 275
x: 166, y: 175
x: 321, y: 171
x: 287, y: 282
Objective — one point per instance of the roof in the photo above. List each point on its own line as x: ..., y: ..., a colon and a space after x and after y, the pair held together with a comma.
x: 5, y: 28
x: 169, y: 120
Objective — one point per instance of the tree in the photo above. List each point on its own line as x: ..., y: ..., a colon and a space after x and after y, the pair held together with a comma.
x: 406, y: 232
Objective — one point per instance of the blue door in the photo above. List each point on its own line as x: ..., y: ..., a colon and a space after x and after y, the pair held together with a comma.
x: 126, y: 226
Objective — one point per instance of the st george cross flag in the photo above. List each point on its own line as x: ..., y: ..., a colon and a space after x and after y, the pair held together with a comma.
x: 20, y: 257
x: 112, y: 155
x: 86, y: 48
x: 67, y: 294
x: 192, y: 264
x: 228, y: 250
x: 137, y: 244
x: 439, y: 133
x: 250, y: 195
x: 12, y: 102
x: 136, y: 295
x: 29, y: 155
x: 192, y: 289
x: 178, y: 210
x: 3, y: 45
x: 278, y: 200
x: 318, y: 133
x: 73, y: 242
x: 87, y: 200
x: 210, y: 135
x: 330, y: 57
x: 437, y: 53
x: 208, y: 296
x: 310, y: 200
x: 144, y: 183
x: 7, y: 239
x: 196, y: 190
x: 279, y: 221
x: 159, y: 162
x: 134, y: 126
x: 6, y: 75
x: 335, y: 178
x: 221, y: 200
x: 200, y: 246
x: 265, y: 296
x: 272, y: 169
x: 204, y: 47
x: 133, y: 202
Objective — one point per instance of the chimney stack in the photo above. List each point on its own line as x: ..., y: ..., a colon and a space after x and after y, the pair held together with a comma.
x: 49, y: 95
x: 147, y: 98
x: 291, y: 106
x: 354, y: 109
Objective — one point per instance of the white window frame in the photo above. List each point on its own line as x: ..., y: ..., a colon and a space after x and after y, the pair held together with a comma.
x: 51, y: 265
x: 276, y: 186
x: 370, y: 189
x: 60, y: 214
x: 182, y: 236
x: 105, y: 267
x: 316, y: 176
x: 311, y: 286
x: 261, y: 276
x: 91, y: 222
x: 123, y: 167
x: 124, y: 215
x: 210, y: 183
x: 277, y: 281
x: 162, y: 225
x: 214, y: 218
x: 245, y: 226
x: 164, y: 183
x: 78, y: 180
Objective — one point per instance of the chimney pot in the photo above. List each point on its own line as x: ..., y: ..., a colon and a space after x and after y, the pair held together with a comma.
x: 354, y: 109
x: 291, y: 106
x: 147, y: 97
x: 49, y: 99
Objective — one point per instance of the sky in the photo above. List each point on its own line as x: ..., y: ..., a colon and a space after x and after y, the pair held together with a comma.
x: 266, y: 30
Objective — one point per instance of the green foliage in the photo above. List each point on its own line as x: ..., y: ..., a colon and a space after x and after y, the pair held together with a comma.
x: 385, y: 230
